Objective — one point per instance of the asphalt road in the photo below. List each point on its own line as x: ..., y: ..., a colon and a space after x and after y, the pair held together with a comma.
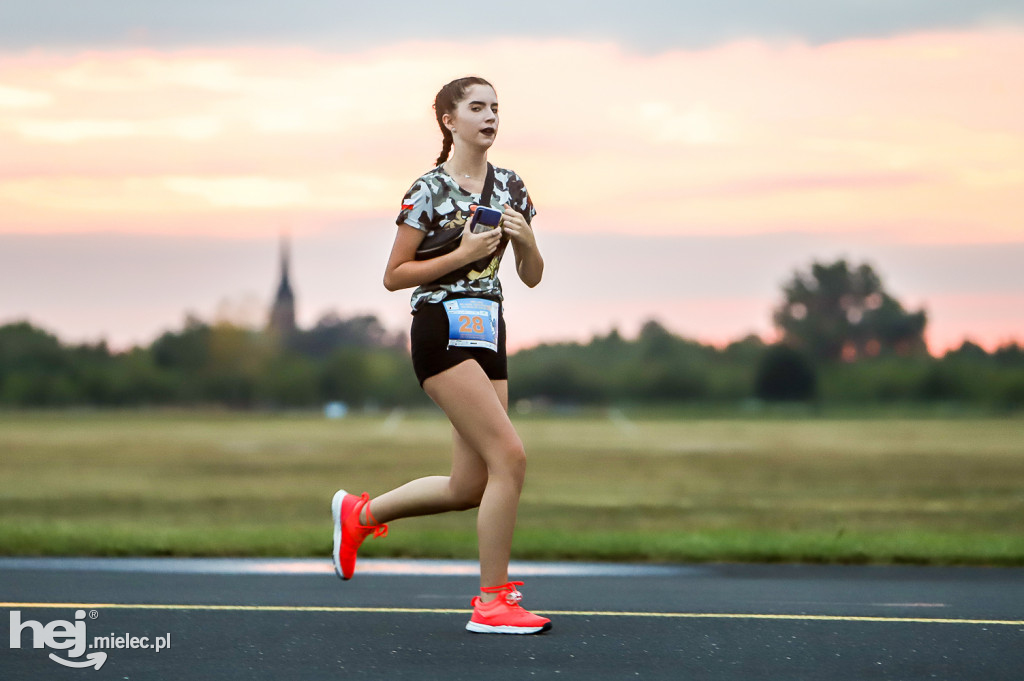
x: 284, y: 619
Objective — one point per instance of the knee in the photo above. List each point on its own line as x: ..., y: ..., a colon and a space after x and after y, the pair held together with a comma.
x: 467, y: 495
x: 511, y: 461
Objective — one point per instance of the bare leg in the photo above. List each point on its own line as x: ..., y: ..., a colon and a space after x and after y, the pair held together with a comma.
x: 488, y: 467
x: 476, y: 407
x: 437, y: 493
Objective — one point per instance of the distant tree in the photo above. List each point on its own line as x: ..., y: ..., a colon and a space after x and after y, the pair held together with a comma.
x: 1011, y: 354
x: 667, y: 367
x: 333, y: 332
x: 968, y: 350
x: 187, y: 350
x: 785, y: 374
x: 835, y: 312
x: 34, y: 368
x: 655, y: 340
x: 25, y: 347
x: 748, y: 349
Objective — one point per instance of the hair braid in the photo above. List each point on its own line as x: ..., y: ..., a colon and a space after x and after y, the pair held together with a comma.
x: 446, y: 146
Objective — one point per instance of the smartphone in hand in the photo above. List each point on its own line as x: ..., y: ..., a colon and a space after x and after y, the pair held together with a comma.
x: 485, y: 219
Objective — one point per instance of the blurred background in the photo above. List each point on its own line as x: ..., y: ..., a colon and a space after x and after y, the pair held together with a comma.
x: 748, y: 210
x: 686, y: 161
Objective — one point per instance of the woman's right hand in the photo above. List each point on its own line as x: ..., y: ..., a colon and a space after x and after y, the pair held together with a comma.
x: 475, y: 247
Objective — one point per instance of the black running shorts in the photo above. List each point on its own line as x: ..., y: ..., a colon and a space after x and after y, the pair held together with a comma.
x: 431, y: 354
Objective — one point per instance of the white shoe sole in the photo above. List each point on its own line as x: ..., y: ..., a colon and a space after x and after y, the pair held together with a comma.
x: 478, y: 628
x: 339, y: 496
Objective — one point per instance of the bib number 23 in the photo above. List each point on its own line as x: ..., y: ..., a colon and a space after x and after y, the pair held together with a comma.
x: 472, y: 323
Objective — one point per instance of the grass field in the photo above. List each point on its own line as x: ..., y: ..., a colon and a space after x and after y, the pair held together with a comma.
x: 947, y: 491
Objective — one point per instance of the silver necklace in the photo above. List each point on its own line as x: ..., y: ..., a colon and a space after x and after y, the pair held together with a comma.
x: 468, y: 177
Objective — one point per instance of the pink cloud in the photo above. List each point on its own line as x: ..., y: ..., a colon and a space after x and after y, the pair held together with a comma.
x: 911, y: 139
x: 734, y: 139
x: 799, y: 184
x: 990, y: 320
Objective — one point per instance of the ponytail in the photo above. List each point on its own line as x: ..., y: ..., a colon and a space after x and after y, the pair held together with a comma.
x: 447, y: 99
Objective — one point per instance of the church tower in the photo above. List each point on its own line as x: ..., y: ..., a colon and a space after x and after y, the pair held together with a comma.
x: 282, y: 313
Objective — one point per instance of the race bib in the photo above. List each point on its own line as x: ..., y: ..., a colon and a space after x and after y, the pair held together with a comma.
x: 472, y: 323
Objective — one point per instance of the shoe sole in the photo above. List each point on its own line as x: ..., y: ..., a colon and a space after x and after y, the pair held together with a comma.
x: 478, y: 628
x: 336, y: 502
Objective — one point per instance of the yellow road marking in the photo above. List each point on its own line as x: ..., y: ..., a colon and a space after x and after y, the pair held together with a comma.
x: 566, y: 613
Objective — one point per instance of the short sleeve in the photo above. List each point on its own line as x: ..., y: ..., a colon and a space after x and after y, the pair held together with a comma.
x: 417, y: 207
x: 521, y: 200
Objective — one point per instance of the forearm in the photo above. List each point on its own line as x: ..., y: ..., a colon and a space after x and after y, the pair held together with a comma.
x: 404, y: 271
x: 418, y: 272
x: 529, y: 265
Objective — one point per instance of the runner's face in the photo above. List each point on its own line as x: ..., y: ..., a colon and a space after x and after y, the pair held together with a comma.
x: 476, y: 116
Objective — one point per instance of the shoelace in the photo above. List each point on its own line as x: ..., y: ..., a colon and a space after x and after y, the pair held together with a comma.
x: 378, y: 529
x: 513, y: 595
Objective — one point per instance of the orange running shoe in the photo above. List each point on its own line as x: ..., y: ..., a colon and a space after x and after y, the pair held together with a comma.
x: 348, y: 532
x: 504, y: 615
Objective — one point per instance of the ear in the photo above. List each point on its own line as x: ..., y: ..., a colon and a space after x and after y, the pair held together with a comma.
x: 448, y: 121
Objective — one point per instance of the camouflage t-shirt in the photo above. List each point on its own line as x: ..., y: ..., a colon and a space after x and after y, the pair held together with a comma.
x: 436, y: 202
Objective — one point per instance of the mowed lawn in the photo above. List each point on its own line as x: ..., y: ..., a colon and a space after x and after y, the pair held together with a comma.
x: 844, y: 490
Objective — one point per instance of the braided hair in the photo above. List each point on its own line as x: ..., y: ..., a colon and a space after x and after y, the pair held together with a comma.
x: 447, y: 99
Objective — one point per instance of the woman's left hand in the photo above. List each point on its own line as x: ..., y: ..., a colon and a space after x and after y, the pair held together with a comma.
x: 517, y: 228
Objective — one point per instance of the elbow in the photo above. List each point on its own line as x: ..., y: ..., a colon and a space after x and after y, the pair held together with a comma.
x: 532, y: 276
x: 398, y: 278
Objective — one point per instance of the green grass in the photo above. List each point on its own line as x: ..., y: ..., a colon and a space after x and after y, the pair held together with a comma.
x: 884, y: 490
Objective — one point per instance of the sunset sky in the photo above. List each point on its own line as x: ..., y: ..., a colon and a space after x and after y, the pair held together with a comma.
x: 684, y: 158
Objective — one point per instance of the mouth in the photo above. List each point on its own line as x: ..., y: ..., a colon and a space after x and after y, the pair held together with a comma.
x: 489, y: 132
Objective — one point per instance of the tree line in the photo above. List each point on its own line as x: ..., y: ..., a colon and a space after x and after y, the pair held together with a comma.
x: 844, y: 340
x: 221, y: 364
x: 660, y: 367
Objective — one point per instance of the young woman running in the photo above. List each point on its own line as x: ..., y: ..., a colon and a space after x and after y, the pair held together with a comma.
x: 458, y: 352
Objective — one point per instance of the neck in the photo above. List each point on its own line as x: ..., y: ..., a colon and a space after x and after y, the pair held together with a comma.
x: 471, y: 162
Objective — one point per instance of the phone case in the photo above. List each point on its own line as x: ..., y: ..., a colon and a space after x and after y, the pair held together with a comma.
x: 485, y: 219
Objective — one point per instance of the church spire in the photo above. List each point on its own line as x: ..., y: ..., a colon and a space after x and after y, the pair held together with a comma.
x: 282, y: 313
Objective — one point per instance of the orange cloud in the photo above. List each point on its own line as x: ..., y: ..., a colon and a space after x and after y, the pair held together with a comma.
x: 916, y: 138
